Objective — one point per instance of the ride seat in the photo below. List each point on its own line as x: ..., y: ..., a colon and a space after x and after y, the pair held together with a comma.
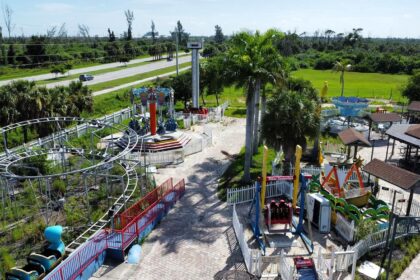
x: 273, y: 209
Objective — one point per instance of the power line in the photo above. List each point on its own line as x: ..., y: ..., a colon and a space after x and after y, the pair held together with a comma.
x: 77, y: 43
x: 62, y: 61
x: 73, y: 53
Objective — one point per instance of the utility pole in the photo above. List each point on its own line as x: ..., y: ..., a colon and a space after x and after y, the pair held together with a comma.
x: 195, y: 66
x: 177, y: 43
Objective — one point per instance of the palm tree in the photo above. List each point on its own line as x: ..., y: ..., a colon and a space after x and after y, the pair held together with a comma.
x: 291, y: 117
x: 329, y: 33
x: 251, y: 60
x: 341, y: 67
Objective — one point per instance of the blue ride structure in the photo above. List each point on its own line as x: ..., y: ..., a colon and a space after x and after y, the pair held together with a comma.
x: 39, y: 264
x: 350, y: 106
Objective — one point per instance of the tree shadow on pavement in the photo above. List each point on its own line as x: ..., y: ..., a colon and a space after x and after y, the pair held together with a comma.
x: 199, y: 218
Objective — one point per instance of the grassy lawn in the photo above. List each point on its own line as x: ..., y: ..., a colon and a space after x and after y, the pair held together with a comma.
x: 117, y: 82
x: 232, y: 178
x: 108, y: 103
x: 7, y: 73
x: 369, y: 85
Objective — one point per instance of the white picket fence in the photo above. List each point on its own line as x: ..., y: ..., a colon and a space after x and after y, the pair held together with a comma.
x: 246, y: 194
x: 252, y: 258
x: 378, y: 240
x: 335, y: 262
x: 286, y: 270
x: 215, y: 114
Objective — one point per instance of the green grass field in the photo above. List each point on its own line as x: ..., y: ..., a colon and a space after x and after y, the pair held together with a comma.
x: 369, y: 85
x: 117, y: 82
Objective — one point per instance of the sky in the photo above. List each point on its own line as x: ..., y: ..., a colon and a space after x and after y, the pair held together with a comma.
x: 378, y: 18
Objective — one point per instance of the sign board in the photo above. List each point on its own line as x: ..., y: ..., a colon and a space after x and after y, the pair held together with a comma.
x: 194, y: 45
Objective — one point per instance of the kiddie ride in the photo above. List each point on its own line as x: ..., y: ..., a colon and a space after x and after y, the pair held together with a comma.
x: 38, y: 265
x: 156, y: 98
x: 200, y: 110
x: 282, y: 211
x: 351, y: 199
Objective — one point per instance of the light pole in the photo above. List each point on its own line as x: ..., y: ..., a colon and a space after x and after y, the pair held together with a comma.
x: 195, y: 66
x: 176, y: 56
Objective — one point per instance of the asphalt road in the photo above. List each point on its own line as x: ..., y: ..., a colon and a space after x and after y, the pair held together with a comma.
x: 83, y: 70
x: 104, y: 91
x: 125, y: 72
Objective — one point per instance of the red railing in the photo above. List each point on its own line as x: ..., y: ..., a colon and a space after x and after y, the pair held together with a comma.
x: 141, y: 217
x: 76, y: 263
x: 123, y: 219
x: 138, y: 222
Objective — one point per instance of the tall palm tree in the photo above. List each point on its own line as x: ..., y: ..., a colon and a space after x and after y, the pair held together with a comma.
x: 250, y: 60
x: 341, y: 67
x: 291, y: 117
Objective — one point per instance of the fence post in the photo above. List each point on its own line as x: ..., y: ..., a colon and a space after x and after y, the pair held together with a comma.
x: 331, y: 266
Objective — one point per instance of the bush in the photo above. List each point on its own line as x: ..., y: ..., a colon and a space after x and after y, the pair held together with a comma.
x: 6, y: 261
x: 325, y: 62
x: 365, y: 227
x: 59, y: 186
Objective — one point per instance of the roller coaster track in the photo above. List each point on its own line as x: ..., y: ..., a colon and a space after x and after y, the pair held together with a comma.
x: 13, y: 156
x: 119, y: 204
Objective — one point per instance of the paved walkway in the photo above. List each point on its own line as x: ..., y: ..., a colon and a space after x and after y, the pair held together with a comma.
x: 413, y: 271
x: 195, y: 240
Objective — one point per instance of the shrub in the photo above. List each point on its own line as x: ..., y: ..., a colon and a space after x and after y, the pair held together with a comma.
x: 365, y: 227
x: 59, y: 186
x: 325, y: 62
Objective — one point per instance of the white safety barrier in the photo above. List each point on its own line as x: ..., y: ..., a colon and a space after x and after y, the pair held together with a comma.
x: 246, y: 194
x: 252, y: 258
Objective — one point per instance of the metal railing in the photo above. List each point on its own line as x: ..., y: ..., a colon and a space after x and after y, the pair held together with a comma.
x: 247, y: 193
x: 144, y: 221
x: 77, y: 130
x: 252, y: 258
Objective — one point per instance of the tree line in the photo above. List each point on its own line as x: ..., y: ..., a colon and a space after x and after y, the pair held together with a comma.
x: 24, y: 100
x: 57, y: 47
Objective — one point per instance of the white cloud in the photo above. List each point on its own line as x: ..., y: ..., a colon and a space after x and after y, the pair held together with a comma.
x: 55, y: 7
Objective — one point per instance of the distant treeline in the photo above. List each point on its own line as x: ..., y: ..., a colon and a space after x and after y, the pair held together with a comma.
x: 322, y: 49
x: 364, y: 54
x: 41, y: 51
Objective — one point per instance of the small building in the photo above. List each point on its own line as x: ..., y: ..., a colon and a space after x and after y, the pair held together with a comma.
x: 413, y: 112
x: 383, y: 118
x: 404, y: 179
x: 408, y: 134
x: 352, y: 138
